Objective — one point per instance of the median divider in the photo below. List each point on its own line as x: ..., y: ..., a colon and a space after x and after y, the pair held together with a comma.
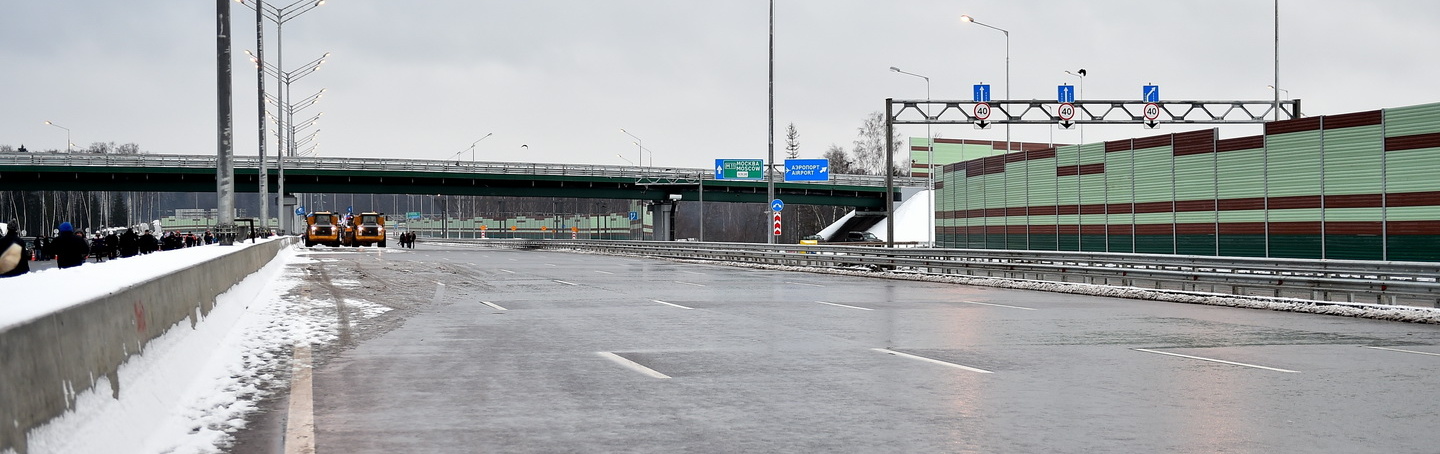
x: 47, y: 362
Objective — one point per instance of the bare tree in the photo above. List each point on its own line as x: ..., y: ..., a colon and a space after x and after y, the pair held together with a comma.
x: 840, y: 162
x: 792, y: 142
x: 870, y: 145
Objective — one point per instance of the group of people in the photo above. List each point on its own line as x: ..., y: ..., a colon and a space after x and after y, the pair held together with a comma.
x: 407, y: 240
x: 70, y: 248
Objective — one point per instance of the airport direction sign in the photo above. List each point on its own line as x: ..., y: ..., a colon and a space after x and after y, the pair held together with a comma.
x: 807, y: 170
x: 739, y: 169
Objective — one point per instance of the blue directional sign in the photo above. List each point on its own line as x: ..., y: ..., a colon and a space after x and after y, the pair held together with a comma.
x: 777, y: 205
x: 807, y: 170
x: 300, y: 211
x: 982, y: 93
x: 1152, y: 93
x: 350, y: 209
x: 1066, y: 93
x: 634, y: 215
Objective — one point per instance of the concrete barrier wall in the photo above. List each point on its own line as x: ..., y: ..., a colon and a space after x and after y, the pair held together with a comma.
x: 47, y: 363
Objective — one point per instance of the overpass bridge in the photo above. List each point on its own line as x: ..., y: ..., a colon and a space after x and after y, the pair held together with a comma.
x: 187, y: 173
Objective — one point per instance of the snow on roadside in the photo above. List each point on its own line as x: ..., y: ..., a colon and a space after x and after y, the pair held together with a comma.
x: 191, y: 388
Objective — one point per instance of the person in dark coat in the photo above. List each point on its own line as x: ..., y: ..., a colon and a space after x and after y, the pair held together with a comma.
x: 13, y: 259
x: 148, y: 243
x: 129, y: 243
x: 112, y: 245
x: 41, y: 244
x: 70, y: 250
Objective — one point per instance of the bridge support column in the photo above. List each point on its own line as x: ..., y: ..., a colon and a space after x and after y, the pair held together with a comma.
x: 663, y: 214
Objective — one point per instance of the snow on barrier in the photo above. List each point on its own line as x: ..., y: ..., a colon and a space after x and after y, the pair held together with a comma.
x: 49, y: 359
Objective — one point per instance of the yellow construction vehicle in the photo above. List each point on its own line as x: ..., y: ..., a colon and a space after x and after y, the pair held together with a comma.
x: 365, y: 229
x: 322, y: 227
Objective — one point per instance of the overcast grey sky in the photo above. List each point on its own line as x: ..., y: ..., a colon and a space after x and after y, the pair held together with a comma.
x: 425, y: 79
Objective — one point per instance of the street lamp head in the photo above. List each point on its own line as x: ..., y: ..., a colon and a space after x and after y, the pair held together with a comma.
x: 966, y: 18
x: 1080, y: 73
x: 894, y: 69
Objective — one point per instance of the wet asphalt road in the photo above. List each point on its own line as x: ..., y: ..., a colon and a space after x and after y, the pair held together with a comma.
x: 589, y: 353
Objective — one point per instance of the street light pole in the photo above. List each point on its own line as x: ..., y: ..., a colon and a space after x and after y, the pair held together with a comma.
x: 770, y: 131
x: 1081, y: 75
x: 260, y: 94
x: 929, y: 159
x: 281, y: 15
x: 967, y: 18
x: 640, y: 152
x: 67, y: 135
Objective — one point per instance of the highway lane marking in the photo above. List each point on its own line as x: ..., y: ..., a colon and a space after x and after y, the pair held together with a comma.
x: 1404, y: 351
x: 932, y: 361
x: 672, y: 304
x: 300, y: 422
x: 631, y: 364
x: 1000, y: 305
x: 692, y: 272
x: 846, y: 306
x: 496, y: 306
x: 1213, y: 360
x: 563, y: 282
x: 604, y: 272
x: 802, y: 283
x: 690, y: 283
x: 547, y: 264
x: 506, y: 271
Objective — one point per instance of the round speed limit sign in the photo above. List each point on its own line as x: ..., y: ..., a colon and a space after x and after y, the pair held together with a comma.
x: 1066, y: 111
x: 1152, y: 111
x: 982, y: 111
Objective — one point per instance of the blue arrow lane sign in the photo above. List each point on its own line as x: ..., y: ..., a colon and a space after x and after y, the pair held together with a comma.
x: 1066, y: 93
x: 982, y: 93
x: 777, y: 205
x: 1152, y: 93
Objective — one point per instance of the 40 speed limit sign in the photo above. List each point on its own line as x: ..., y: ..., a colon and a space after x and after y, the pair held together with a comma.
x: 1066, y: 111
x: 982, y: 111
x: 1152, y: 111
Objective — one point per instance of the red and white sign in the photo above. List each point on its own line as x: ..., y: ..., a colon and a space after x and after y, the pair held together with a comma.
x: 777, y: 222
x: 1152, y: 111
x: 1066, y: 111
x: 982, y: 111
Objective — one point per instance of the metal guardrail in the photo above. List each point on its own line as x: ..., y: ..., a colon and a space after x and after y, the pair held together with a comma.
x: 1393, y: 283
x: 652, y: 175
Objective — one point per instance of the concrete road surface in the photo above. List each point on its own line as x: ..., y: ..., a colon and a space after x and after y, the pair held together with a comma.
x: 493, y: 350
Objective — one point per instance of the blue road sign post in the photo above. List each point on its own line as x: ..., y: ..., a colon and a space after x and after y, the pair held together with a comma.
x: 300, y: 211
x: 982, y: 93
x: 1065, y: 93
x: 777, y: 205
x: 807, y: 170
x: 634, y: 215
x: 1151, y: 93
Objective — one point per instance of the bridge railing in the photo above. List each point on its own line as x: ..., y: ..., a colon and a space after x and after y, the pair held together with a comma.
x: 1391, y: 283
x: 653, y: 175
